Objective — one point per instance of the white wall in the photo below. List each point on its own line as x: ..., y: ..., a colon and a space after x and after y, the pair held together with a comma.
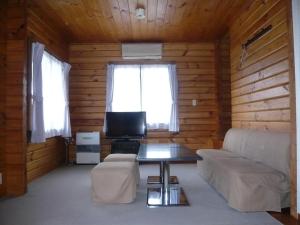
x: 296, y: 28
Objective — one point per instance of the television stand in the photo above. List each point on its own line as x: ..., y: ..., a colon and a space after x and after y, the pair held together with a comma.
x: 126, y: 146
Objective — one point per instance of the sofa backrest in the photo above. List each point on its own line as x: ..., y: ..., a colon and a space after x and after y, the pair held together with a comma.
x: 269, y: 148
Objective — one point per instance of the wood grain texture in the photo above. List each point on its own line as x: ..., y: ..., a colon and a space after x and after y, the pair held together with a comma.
x: 166, y: 20
x: 224, y: 84
x: 3, y: 6
x: 42, y: 28
x: 44, y: 157
x: 260, y: 82
x: 263, y: 83
x: 293, y: 109
x: 15, y: 100
x: 197, y: 80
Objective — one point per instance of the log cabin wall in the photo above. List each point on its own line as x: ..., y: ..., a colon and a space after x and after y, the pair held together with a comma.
x: 197, y: 80
x: 261, y: 91
x: 3, y: 6
x: 44, y: 157
x: 260, y: 81
x: 224, y: 84
x: 15, y: 99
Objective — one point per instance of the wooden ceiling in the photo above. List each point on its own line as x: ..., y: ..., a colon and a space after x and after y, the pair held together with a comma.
x: 166, y: 20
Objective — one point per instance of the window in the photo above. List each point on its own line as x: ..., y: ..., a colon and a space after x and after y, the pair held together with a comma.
x: 49, y: 102
x: 54, y: 95
x: 144, y: 88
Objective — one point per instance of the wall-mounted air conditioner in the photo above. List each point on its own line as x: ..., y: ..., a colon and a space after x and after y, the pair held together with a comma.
x: 142, y: 51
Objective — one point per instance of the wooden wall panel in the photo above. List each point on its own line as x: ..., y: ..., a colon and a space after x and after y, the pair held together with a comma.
x: 224, y: 84
x: 3, y: 6
x: 15, y: 99
x: 167, y: 21
x: 260, y: 81
x: 42, y: 29
x: 197, y: 80
x: 44, y: 157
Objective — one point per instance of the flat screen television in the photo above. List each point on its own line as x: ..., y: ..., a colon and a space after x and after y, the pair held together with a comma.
x: 125, y: 125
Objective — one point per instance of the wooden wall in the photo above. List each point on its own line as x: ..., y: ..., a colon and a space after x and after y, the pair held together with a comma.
x: 15, y: 100
x: 3, y: 6
x: 260, y: 84
x: 41, y: 28
x: 44, y: 157
x: 224, y: 84
x: 197, y: 80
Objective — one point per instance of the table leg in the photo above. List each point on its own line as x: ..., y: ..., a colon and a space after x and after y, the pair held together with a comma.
x: 161, y: 172
x: 166, y: 194
x: 166, y: 185
x: 159, y: 179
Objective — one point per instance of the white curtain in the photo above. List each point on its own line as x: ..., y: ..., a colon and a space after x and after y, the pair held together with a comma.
x: 37, y: 115
x: 109, y: 87
x: 54, y: 95
x: 50, y: 114
x: 109, y: 90
x: 156, y: 95
x: 67, y: 126
x: 174, y: 120
x: 127, y: 88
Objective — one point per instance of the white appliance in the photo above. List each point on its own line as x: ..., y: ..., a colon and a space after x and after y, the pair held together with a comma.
x: 142, y: 51
x: 87, y: 147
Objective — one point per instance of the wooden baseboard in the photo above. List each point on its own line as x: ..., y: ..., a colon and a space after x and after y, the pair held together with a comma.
x: 285, y: 217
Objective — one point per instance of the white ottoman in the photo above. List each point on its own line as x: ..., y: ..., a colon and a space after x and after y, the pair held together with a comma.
x: 114, y: 182
x: 118, y: 157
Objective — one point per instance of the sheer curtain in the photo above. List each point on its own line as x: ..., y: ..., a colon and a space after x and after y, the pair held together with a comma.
x: 37, y: 115
x: 174, y: 121
x: 156, y: 95
x: 67, y: 122
x: 54, y: 86
x: 50, y: 101
x: 127, y: 88
x: 109, y: 90
x: 109, y: 87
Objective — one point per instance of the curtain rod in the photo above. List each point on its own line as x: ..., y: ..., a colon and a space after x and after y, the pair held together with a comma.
x: 141, y: 62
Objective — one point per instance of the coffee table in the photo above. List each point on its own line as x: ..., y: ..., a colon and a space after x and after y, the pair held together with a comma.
x: 166, y: 194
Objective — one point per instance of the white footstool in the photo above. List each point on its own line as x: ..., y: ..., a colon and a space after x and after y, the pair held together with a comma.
x: 114, y: 182
x: 118, y: 157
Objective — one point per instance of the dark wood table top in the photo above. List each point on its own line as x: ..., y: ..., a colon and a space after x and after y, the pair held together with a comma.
x: 166, y: 152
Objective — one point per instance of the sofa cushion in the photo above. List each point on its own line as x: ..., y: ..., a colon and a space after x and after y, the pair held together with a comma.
x: 269, y: 148
x: 247, y: 185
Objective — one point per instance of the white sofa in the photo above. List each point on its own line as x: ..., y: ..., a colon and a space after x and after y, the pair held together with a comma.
x: 251, y: 171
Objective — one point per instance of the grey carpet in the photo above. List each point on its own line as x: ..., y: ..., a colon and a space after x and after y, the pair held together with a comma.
x: 62, y: 197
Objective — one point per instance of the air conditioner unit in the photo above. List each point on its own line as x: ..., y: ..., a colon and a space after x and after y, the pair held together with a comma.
x: 142, y: 51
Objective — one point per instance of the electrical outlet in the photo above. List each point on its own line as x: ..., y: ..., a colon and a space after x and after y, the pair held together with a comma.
x: 194, y: 102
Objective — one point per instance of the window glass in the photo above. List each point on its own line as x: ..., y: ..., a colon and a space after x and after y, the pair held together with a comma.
x: 143, y: 88
x: 156, y: 95
x: 126, y: 95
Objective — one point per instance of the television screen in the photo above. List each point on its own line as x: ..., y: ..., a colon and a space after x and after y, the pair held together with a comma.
x: 125, y: 124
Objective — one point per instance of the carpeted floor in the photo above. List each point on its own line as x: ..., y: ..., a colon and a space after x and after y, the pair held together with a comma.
x: 63, y: 198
